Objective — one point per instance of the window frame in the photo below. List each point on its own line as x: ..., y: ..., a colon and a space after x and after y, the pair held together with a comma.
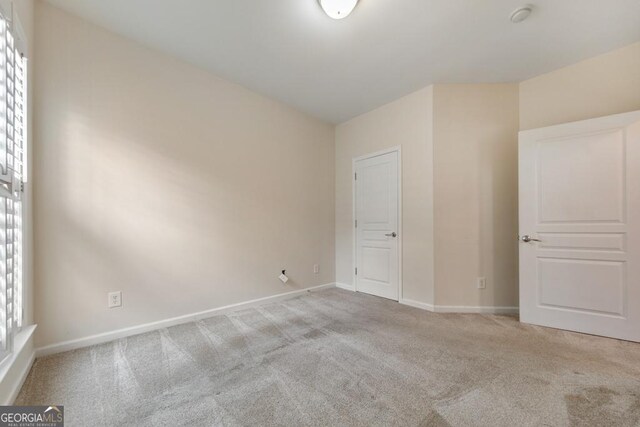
x: 13, y: 175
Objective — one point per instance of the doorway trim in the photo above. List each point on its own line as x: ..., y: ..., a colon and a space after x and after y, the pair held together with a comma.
x: 395, y: 149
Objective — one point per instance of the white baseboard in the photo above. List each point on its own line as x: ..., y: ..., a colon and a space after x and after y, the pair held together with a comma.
x: 417, y: 304
x: 152, y: 326
x: 16, y: 369
x: 346, y: 287
x: 475, y: 309
x: 460, y: 308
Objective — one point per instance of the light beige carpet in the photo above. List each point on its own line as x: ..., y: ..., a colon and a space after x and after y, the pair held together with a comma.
x: 340, y: 358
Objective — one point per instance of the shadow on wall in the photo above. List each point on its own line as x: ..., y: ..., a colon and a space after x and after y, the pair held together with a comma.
x: 179, y: 223
x: 498, y: 219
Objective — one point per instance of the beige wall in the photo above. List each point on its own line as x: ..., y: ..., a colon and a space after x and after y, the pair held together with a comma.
x: 475, y: 187
x: 407, y: 123
x: 475, y: 165
x: 459, y: 157
x: 601, y: 86
x: 155, y: 178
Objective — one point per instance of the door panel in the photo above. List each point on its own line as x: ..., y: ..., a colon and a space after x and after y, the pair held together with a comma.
x: 580, y: 204
x: 583, y: 241
x: 376, y: 195
x: 584, y: 285
x: 376, y: 264
x: 571, y: 169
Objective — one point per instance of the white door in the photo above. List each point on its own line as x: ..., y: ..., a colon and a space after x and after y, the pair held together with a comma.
x: 580, y: 226
x: 377, y: 233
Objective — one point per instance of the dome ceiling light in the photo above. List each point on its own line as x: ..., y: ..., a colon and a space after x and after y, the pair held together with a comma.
x: 338, y: 9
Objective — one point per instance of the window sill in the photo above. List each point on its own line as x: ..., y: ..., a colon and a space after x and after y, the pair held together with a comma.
x: 19, y: 343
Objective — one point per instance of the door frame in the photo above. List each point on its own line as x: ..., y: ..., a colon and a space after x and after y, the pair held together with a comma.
x: 395, y: 149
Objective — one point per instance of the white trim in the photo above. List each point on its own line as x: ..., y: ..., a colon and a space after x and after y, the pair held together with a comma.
x: 21, y: 379
x: 460, y: 308
x: 475, y: 309
x: 613, y: 121
x: 9, y: 12
x: 6, y: 8
x: 20, y: 37
x: 417, y: 304
x: 346, y: 287
x: 160, y: 324
x: 395, y: 149
x: 23, y: 342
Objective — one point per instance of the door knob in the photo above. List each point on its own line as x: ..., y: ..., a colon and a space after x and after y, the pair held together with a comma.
x: 391, y: 234
x: 526, y: 238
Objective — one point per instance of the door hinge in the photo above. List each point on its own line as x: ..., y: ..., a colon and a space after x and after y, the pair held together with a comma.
x: 355, y: 176
x: 356, y: 223
x: 356, y: 271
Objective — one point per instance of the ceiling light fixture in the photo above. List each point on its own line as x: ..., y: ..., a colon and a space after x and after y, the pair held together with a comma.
x: 338, y: 9
x: 521, y: 13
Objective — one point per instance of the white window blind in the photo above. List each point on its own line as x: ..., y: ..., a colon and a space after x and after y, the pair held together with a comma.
x: 12, y: 157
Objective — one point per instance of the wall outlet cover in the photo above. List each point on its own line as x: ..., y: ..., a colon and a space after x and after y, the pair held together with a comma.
x: 115, y: 299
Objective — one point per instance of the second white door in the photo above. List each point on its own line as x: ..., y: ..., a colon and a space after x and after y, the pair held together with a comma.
x: 377, y: 225
x: 580, y: 226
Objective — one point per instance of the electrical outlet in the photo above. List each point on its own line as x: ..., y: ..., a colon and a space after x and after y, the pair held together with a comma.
x: 115, y: 299
x: 481, y: 282
x: 316, y: 268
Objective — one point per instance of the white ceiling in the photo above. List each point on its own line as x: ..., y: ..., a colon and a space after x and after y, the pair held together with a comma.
x: 291, y: 51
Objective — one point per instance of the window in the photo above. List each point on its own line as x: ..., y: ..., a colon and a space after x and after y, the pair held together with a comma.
x: 12, y: 168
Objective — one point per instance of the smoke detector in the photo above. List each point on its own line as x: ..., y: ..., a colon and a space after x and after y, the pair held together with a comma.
x: 521, y: 13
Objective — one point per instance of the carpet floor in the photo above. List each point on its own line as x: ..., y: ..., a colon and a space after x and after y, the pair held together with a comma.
x: 336, y: 358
